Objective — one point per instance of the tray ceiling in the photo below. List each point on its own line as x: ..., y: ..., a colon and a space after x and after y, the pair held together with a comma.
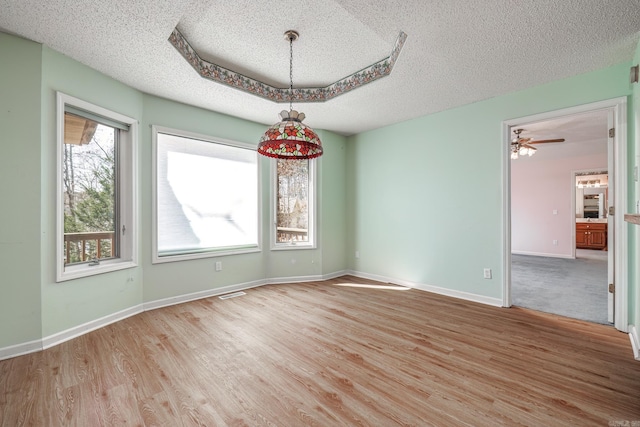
x: 456, y: 52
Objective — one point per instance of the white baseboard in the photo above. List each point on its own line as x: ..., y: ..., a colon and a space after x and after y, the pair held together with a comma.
x: 293, y: 279
x: 314, y: 278
x: 496, y: 302
x: 543, y: 254
x: 76, y: 331
x: 635, y: 341
x: 375, y: 277
x: 20, y: 349
x: 179, y: 299
x: 92, y: 325
x: 467, y: 296
x: 335, y: 274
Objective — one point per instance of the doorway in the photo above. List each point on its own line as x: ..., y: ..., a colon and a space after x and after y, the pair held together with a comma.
x: 550, y: 226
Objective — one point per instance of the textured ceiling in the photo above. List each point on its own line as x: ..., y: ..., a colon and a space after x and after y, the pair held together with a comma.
x: 457, y: 52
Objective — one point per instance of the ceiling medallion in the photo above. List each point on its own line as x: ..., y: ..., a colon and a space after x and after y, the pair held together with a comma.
x: 290, y: 139
x: 219, y: 74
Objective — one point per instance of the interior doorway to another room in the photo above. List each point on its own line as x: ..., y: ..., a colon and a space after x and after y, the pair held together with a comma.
x: 561, y: 247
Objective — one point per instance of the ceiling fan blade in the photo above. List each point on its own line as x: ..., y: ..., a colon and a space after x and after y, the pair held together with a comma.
x: 545, y: 141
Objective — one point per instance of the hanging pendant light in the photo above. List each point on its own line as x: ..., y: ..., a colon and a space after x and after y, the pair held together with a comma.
x: 290, y: 138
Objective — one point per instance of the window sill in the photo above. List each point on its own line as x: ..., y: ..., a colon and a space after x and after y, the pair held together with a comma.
x: 201, y: 255
x: 84, y: 270
x: 292, y: 247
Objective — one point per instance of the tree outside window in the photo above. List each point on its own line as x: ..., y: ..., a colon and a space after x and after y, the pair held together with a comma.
x: 292, y: 204
x: 89, y: 186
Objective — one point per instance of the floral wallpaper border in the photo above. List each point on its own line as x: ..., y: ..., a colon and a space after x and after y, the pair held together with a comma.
x: 236, y: 80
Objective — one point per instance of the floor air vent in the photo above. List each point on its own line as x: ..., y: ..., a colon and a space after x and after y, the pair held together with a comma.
x: 233, y: 295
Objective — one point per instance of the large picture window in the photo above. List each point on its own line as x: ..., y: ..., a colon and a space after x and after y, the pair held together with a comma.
x: 293, y: 204
x: 96, y: 226
x: 206, y: 196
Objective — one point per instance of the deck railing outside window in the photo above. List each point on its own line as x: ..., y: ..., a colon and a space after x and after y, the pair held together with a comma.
x: 291, y: 234
x: 81, y: 247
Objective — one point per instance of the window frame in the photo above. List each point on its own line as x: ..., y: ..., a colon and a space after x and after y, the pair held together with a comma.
x: 126, y: 168
x: 208, y: 252
x: 311, y: 207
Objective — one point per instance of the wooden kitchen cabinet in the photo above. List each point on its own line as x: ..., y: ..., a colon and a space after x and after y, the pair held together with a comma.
x: 591, y: 235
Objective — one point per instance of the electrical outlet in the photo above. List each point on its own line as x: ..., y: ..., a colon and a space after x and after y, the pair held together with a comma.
x: 218, y: 265
x: 487, y: 273
x: 555, y: 211
x: 357, y: 254
x: 555, y: 243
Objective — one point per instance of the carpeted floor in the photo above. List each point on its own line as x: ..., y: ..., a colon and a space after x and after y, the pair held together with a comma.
x: 574, y: 288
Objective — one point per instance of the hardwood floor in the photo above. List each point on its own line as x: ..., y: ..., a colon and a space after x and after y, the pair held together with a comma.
x: 322, y: 354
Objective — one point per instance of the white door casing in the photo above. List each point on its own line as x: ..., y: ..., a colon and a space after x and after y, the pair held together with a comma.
x: 612, y: 201
x: 618, y: 113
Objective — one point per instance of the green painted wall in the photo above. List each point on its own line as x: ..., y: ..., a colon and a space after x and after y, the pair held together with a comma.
x: 20, y: 157
x: 420, y: 200
x: 333, y: 179
x: 177, y: 278
x: 325, y: 259
x: 32, y: 304
x: 75, y: 302
x: 425, y: 195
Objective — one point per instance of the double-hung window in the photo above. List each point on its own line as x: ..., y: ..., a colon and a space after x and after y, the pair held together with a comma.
x: 96, y: 220
x: 206, y: 196
x: 293, y: 204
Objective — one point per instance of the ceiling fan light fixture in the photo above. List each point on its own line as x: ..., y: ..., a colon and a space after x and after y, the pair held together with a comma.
x: 290, y: 138
x: 527, y: 151
x: 524, y: 146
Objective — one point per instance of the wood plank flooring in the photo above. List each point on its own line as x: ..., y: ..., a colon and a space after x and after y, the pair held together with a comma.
x: 322, y: 354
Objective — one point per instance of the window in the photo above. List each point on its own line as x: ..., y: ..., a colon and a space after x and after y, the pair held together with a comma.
x: 206, y: 196
x: 96, y: 186
x: 294, y: 201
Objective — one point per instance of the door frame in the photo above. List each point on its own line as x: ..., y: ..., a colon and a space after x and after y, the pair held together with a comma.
x: 611, y: 223
x: 619, y: 108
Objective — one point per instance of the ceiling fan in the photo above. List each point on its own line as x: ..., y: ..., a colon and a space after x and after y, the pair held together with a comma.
x: 524, y: 146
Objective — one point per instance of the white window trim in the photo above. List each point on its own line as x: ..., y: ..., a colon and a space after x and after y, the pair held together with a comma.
x: 312, y: 243
x: 206, y: 253
x: 128, y: 162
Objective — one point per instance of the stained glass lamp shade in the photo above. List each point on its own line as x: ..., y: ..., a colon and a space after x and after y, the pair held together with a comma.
x: 290, y: 139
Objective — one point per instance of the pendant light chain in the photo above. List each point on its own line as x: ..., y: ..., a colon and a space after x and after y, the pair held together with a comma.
x: 290, y: 139
x: 290, y: 73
